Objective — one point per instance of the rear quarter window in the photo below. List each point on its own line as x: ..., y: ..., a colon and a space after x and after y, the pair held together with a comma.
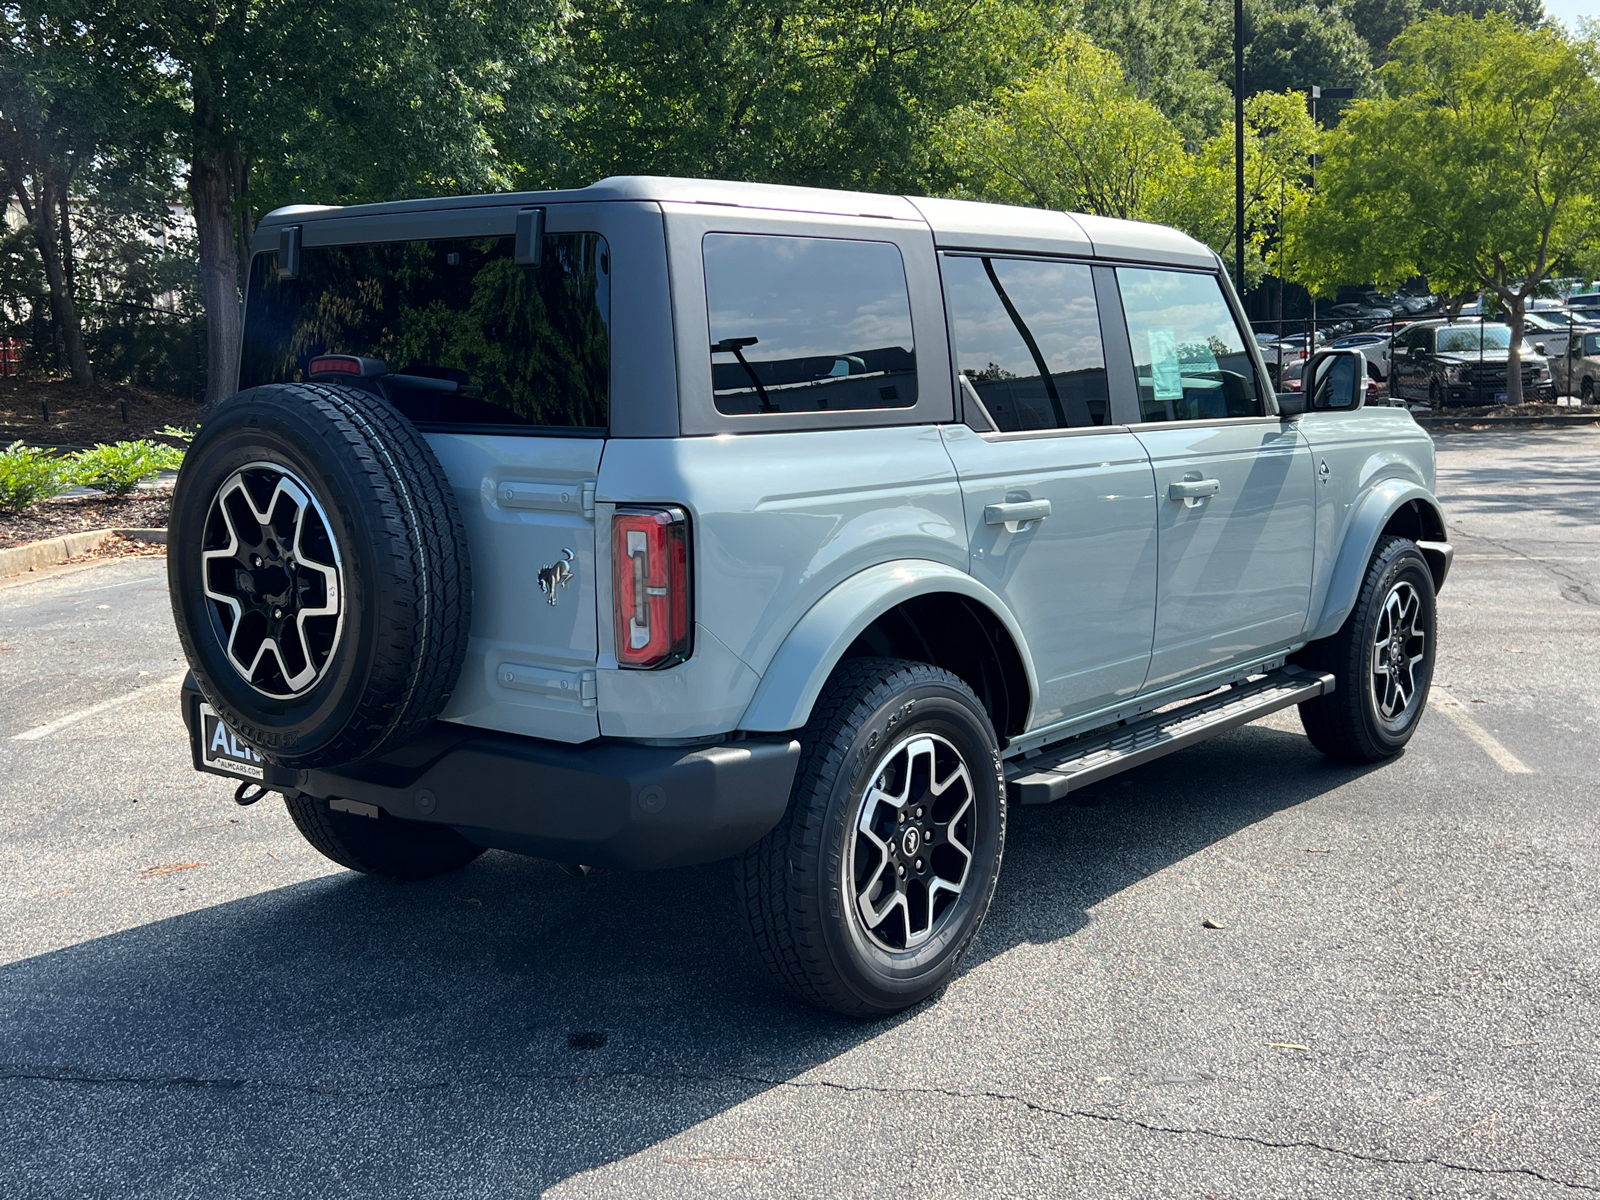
x: 807, y: 324
x: 527, y: 345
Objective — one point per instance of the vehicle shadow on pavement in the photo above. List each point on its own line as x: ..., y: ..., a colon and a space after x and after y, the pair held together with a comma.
x: 502, y: 1029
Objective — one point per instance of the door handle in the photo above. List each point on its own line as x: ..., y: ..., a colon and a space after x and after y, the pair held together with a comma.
x: 1015, y: 513
x: 1193, y: 489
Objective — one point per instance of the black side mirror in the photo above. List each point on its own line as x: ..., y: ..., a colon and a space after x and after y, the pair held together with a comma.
x: 1337, y: 379
x: 1291, y: 404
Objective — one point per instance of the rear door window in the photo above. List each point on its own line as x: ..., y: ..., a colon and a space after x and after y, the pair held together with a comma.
x: 807, y: 324
x: 524, y: 345
x: 1027, y: 338
x: 1189, y: 354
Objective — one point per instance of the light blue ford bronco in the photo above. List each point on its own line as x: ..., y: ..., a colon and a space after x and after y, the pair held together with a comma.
x: 667, y: 521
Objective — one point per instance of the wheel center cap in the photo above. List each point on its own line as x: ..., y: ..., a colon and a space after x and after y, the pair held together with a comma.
x: 912, y: 840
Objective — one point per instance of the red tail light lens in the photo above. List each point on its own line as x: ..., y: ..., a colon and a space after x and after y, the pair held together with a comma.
x: 334, y: 364
x: 650, y: 586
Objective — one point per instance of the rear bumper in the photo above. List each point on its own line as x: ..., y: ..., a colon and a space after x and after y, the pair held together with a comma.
x: 609, y: 803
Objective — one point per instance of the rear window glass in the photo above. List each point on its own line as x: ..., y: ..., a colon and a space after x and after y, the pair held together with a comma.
x: 525, y: 345
x: 1027, y: 337
x: 802, y: 324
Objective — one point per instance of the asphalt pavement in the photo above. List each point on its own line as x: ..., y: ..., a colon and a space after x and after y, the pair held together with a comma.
x: 1402, y: 1001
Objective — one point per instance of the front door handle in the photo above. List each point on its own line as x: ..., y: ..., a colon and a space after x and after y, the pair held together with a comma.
x: 1017, y: 516
x: 1193, y: 489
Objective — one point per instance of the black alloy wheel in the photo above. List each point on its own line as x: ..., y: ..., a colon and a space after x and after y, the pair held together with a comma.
x: 1382, y: 660
x: 869, y: 892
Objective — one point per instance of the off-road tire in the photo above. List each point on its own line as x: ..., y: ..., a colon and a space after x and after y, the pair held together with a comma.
x: 789, y: 885
x: 407, y: 585
x: 1586, y: 392
x: 384, y: 846
x: 1346, y: 724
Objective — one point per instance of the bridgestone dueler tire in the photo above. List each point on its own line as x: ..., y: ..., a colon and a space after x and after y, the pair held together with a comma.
x: 789, y: 885
x: 382, y: 846
x: 406, y: 580
x: 1345, y: 724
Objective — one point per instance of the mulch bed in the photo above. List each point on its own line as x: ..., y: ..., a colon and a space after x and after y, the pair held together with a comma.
x: 87, y: 416
x: 145, y: 509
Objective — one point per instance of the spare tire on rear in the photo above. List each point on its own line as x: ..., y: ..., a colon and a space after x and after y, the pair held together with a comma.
x: 319, y: 573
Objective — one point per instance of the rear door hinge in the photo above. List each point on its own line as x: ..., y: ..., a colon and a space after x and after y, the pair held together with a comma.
x: 588, y: 499
x: 588, y: 689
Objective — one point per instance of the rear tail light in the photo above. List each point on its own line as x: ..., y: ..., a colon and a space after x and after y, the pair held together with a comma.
x: 650, y: 586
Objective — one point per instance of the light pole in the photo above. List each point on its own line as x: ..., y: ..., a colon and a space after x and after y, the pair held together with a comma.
x: 1238, y: 145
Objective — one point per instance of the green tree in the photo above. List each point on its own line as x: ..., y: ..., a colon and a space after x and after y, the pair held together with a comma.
x: 47, y: 135
x: 1071, y: 135
x: 1293, y: 45
x: 269, y: 101
x: 1199, y: 199
x: 840, y: 94
x: 1162, y: 46
x: 1477, y: 170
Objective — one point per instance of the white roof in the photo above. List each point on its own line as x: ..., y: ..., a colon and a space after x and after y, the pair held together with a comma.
x: 956, y: 224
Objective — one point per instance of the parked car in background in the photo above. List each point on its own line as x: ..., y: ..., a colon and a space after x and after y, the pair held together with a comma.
x: 1374, y: 346
x: 1553, y: 330
x: 1577, y: 365
x: 1463, y: 362
x: 1585, y: 306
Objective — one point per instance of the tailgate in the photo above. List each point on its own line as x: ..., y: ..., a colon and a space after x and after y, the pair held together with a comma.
x: 528, y: 505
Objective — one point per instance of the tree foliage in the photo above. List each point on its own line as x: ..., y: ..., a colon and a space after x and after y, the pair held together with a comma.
x: 829, y: 93
x: 1477, y: 170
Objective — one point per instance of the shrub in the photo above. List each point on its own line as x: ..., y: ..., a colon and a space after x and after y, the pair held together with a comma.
x: 28, y: 474
x: 120, y: 468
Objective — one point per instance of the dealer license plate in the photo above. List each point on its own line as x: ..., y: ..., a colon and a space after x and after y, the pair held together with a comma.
x: 221, y: 750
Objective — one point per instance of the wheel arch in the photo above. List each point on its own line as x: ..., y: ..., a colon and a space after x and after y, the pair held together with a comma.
x: 1393, y: 507
x: 915, y: 609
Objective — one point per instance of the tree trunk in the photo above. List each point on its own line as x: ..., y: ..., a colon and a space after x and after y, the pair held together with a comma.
x: 62, y: 309
x: 1516, y: 317
x: 211, y: 195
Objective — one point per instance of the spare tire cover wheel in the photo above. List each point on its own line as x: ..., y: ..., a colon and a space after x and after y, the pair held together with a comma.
x: 319, y: 573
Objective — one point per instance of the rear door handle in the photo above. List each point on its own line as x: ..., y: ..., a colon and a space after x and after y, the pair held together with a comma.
x: 1193, y: 489
x: 1016, y: 515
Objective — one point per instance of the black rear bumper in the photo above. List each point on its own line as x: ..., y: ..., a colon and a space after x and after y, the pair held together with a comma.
x: 610, y: 803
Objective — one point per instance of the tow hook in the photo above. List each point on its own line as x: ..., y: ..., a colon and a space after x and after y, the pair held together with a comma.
x: 244, y: 797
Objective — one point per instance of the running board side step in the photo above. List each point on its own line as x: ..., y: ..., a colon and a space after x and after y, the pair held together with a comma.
x: 1091, y: 757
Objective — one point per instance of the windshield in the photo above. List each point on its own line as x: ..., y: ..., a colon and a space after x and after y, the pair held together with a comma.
x: 1469, y: 339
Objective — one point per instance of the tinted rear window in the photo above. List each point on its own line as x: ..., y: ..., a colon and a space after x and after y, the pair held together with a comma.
x: 804, y: 324
x: 528, y: 345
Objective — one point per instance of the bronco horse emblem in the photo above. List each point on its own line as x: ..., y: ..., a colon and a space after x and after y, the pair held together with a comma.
x: 557, y: 574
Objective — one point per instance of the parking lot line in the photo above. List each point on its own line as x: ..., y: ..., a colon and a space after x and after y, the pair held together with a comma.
x: 1486, y: 741
x: 83, y: 714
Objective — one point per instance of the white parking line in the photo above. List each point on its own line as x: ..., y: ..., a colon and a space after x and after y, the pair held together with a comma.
x: 83, y: 714
x: 1486, y: 741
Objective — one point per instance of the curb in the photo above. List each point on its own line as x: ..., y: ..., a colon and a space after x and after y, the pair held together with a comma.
x: 1468, y: 424
x: 54, y: 551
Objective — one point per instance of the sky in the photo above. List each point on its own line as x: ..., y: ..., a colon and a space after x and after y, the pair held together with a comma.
x: 1568, y: 11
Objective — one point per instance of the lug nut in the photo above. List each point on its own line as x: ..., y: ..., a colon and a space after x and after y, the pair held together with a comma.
x: 919, y: 814
x: 277, y: 612
x: 255, y: 560
x: 919, y: 864
x: 902, y: 871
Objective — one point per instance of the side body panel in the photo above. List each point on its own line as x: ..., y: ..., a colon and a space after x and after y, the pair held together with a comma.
x: 1377, y: 459
x: 779, y: 520
x: 1236, y: 566
x: 1081, y: 582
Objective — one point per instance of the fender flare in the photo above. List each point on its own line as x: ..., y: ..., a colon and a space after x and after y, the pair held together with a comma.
x: 795, y: 677
x: 1372, y: 512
